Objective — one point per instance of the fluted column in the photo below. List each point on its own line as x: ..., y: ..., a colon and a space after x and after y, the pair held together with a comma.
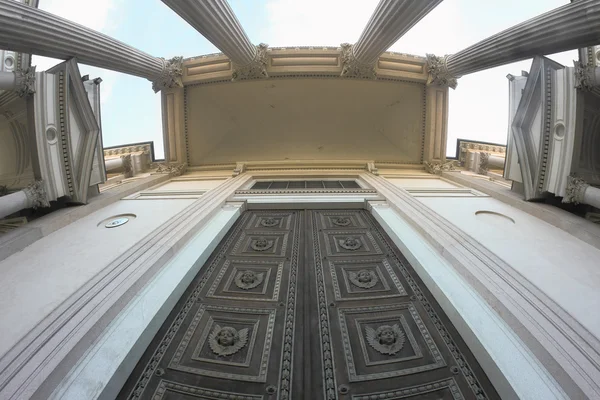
x: 29, y: 30
x: 33, y: 196
x: 390, y: 21
x: 216, y: 21
x: 22, y: 81
x: 572, y: 26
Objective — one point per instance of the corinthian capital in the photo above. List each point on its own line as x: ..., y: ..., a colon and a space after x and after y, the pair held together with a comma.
x: 254, y: 70
x: 352, y: 67
x: 127, y: 165
x: 575, y: 190
x: 25, y: 81
x: 36, y: 195
x: 170, y: 75
x: 484, y: 159
x: 438, y: 72
x: 585, y: 77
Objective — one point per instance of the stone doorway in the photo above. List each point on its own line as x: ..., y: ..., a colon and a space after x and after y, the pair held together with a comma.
x: 311, y: 304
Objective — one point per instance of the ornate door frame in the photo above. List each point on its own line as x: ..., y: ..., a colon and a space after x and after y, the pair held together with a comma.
x: 426, y: 260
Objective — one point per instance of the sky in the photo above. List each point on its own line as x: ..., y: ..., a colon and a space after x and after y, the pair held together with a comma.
x: 478, y: 108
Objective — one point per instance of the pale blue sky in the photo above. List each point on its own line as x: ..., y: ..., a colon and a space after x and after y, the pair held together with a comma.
x: 131, y: 110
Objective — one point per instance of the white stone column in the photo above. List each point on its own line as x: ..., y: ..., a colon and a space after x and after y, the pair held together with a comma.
x: 579, y: 191
x: 572, y: 26
x: 390, y: 21
x: 29, y: 30
x: 122, y: 163
x: 22, y: 81
x: 33, y: 196
x: 216, y: 21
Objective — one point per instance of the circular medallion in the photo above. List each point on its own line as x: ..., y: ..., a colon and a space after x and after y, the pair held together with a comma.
x: 227, y: 340
x: 116, y: 222
x: 341, y: 221
x: 350, y: 243
x: 248, y: 279
x: 261, y: 244
x: 386, y: 339
x: 364, y: 278
x: 269, y: 222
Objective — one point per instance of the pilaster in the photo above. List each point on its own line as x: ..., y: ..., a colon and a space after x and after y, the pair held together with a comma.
x: 436, y: 123
x: 173, y: 119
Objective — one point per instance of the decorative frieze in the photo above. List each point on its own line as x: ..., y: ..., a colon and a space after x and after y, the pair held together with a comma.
x: 171, y: 169
x: 257, y: 69
x: 437, y: 167
x: 36, y: 195
x: 575, y: 190
x: 437, y: 68
x: 170, y: 75
x: 352, y: 67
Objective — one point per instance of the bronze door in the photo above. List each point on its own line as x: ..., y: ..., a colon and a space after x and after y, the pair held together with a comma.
x: 312, y: 305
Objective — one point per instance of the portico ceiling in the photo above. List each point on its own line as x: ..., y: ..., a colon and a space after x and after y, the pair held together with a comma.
x: 305, y: 119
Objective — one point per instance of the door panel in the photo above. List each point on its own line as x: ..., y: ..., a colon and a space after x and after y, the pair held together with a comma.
x: 312, y: 305
x: 382, y: 334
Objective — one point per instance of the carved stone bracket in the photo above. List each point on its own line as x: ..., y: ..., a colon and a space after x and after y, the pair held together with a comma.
x: 170, y: 75
x: 372, y: 169
x: 36, y: 195
x: 437, y: 168
x: 585, y: 78
x: 25, y: 81
x: 352, y: 68
x: 437, y: 69
x: 239, y: 168
x: 256, y: 69
x: 575, y: 190
x: 171, y: 169
x: 484, y: 159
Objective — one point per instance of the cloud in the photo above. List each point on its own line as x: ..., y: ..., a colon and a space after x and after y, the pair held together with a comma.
x: 99, y: 15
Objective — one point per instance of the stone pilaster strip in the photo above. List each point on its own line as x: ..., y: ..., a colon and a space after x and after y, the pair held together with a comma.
x: 170, y: 75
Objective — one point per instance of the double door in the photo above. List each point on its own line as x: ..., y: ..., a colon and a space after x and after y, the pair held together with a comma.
x: 305, y: 304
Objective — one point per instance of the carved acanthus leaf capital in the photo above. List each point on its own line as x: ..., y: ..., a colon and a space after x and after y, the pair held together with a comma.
x: 438, y: 167
x: 171, y: 169
x: 484, y: 159
x: 25, y: 81
x: 353, y: 68
x: 585, y: 78
x: 36, y: 195
x: 256, y: 69
x: 127, y: 165
x: 437, y: 69
x: 575, y: 190
x: 170, y: 76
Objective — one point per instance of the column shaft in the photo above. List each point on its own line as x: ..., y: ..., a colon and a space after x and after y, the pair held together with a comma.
x: 390, y: 21
x: 216, y: 21
x: 13, y: 202
x: 29, y: 30
x: 572, y: 26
